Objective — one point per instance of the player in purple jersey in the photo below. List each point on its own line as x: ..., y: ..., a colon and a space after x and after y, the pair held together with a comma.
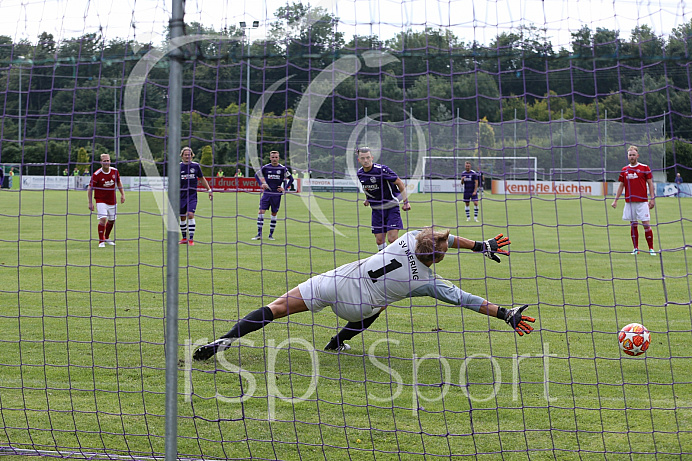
x: 358, y: 292
x: 384, y: 190
x: 190, y: 173
x: 275, y: 179
x: 471, y: 181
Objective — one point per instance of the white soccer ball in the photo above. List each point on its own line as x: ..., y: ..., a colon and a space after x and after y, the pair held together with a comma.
x: 634, y: 339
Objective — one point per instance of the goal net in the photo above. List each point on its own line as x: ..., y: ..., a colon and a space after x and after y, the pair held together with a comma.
x: 544, y: 98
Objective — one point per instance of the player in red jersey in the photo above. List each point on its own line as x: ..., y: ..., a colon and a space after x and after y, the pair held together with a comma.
x: 102, y: 186
x: 634, y: 178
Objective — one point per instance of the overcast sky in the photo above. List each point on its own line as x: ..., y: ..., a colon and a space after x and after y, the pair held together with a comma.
x: 470, y: 20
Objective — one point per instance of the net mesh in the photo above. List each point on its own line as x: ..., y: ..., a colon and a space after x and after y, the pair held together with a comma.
x: 570, y: 85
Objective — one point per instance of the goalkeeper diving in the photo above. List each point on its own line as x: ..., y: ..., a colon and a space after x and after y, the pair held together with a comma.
x: 360, y: 291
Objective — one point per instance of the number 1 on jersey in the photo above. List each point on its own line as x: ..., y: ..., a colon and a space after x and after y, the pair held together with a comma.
x: 392, y: 266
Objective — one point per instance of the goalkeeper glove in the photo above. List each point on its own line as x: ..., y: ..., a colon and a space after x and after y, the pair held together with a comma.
x: 517, y: 321
x: 492, y: 246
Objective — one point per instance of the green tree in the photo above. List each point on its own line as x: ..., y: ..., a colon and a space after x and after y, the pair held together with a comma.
x: 424, y: 51
x: 206, y: 160
x: 83, y: 159
x: 585, y: 112
x: 513, y: 106
x: 644, y: 43
x: 486, y: 138
x: 360, y: 43
x: 582, y: 64
x: 678, y: 159
x: 551, y: 107
x: 646, y: 97
x: 476, y: 96
x: 5, y: 48
x: 606, y: 46
x: 519, y: 59
x: 305, y: 38
x: 678, y: 51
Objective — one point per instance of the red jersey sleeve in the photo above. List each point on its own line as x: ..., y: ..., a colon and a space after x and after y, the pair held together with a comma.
x: 648, y: 174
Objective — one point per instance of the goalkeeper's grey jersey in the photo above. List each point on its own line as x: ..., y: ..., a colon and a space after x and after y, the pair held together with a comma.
x: 395, y: 273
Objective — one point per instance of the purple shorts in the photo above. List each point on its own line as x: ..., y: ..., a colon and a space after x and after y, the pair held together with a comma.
x: 386, y: 220
x: 468, y: 196
x: 188, y: 204
x: 272, y: 200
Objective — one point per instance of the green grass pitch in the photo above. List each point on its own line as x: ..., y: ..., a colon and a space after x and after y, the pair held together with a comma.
x: 82, y: 354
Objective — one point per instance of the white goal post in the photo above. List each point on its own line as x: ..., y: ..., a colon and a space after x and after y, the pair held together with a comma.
x: 480, y: 164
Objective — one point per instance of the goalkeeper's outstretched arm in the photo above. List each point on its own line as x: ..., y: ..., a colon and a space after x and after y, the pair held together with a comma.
x: 490, y: 248
x: 513, y: 317
x: 449, y: 293
x: 463, y: 243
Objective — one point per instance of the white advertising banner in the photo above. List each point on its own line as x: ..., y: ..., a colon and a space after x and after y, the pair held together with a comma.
x: 145, y: 183
x: 347, y: 185
x: 549, y: 188
x: 428, y: 186
x: 670, y: 189
x: 161, y: 183
x: 331, y: 185
x: 54, y: 182
x: 82, y: 182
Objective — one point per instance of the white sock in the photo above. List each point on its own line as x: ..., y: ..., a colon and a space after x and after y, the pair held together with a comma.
x: 183, y: 228
x: 260, y: 223
x: 272, y: 225
x: 191, y: 228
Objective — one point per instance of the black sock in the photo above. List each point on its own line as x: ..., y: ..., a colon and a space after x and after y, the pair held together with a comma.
x: 350, y: 330
x: 255, y: 320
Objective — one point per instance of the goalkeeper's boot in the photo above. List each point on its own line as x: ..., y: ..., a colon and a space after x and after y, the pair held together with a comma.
x: 257, y: 237
x: 209, y: 350
x: 652, y: 252
x: 334, y: 347
x: 183, y: 241
x: 271, y: 237
x: 635, y: 251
